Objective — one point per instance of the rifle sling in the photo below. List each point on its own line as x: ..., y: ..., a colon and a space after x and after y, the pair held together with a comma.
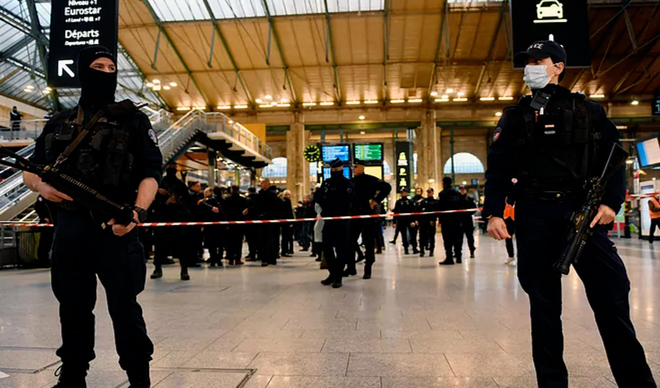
x: 64, y: 156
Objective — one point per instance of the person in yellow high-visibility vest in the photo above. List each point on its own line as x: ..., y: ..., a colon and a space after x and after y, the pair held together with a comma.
x: 654, y: 210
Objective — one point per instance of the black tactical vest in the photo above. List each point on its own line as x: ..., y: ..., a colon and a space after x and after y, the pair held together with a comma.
x: 102, y: 160
x: 553, y: 150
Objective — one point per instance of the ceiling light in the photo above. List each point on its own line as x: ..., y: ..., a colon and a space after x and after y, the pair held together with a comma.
x: 200, y: 107
x: 284, y: 100
x: 166, y: 87
x: 415, y: 100
x: 240, y: 106
x: 460, y: 94
x: 224, y: 107
x: 449, y: 91
x: 150, y: 85
x: 268, y: 97
x: 26, y: 90
x: 45, y: 91
x: 621, y: 127
x: 363, y: 133
x: 371, y: 102
x: 230, y: 122
x: 487, y: 99
x: 309, y: 104
x: 597, y: 96
x: 498, y: 114
x: 444, y: 96
x: 265, y: 106
x: 462, y: 99
x: 441, y: 99
x: 274, y: 103
x: 327, y: 103
x: 507, y: 98
x: 284, y: 105
x: 29, y: 87
x: 258, y: 101
x: 156, y: 81
x: 397, y: 101
x: 183, y: 108
x: 352, y: 102
x: 156, y: 87
x: 634, y: 102
x: 361, y: 117
x: 173, y: 84
x: 434, y: 93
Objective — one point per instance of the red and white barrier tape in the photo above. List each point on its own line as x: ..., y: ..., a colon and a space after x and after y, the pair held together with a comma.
x: 250, y: 222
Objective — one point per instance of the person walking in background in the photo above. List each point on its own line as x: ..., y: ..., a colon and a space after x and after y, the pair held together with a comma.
x: 287, y: 229
x: 306, y: 234
x: 452, y: 234
x: 251, y: 232
x: 654, y: 211
x: 427, y: 223
x: 15, y: 118
x: 235, y: 204
x: 467, y: 225
x: 510, y: 221
x: 405, y: 224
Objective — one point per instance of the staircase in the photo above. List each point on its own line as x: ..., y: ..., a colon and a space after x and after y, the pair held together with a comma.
x: 16, y: 197
x: 215, y: 130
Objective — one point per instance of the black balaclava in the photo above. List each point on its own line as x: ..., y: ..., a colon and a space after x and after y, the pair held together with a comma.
x: 98, y: 87
x: 336, y: 174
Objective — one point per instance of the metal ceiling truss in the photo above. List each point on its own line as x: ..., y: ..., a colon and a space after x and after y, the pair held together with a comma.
x: 386, y: 45
x: 225, y: 45
x: 20, y: 24
x: 489, y: 57
x: 443, y: 25
x: 15, y: 48
x: 142, y: 76
x: 276, y: 37
x: 35, y: 28
x: 331, y: 47
x: 161, y: 29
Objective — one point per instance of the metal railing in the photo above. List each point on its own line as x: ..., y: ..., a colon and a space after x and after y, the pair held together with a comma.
x: 219, y: 122
x: 21, y: 130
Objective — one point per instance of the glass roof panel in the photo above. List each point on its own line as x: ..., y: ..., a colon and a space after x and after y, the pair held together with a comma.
x: 181, y: 10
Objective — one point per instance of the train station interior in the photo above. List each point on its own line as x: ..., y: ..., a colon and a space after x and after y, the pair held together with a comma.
x: 238, y: 91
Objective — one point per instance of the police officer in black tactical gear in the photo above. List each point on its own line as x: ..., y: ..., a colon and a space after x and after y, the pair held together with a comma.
x: 336, y: 197
x: 120, y: 158
x: 549, y: 145
x: 427, y: 223
x: 369, y: 192
x: 405, y: 224
x: 452, y: 235
x: 467, y: 224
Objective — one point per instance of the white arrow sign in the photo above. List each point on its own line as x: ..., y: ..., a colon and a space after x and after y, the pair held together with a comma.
x: 63, y: 65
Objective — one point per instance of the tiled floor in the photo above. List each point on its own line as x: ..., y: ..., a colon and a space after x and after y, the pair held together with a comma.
x: 414, y: 325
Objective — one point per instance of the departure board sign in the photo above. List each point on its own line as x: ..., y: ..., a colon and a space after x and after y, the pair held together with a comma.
x: 74, y: 25
x: 332, y: 152
x: 648, y: 151
x: 655, y: 106
x: 404, y: 162
x: 326, y: 173
x: 566, y: 20
x: 368, y: 152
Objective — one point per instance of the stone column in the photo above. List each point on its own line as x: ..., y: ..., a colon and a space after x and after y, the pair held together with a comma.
x: 427, y: 146
x: 297, y: 166
x: 211, y: 168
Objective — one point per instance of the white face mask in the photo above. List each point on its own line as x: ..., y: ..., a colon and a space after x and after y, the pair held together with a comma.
x: 536, y: 76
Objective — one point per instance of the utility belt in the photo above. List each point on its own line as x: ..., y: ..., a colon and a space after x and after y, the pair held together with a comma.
x: 547, y: 195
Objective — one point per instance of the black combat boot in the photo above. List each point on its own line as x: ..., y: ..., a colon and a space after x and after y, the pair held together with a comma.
x: 367, y: 271
x: 184, y: 274
x: 158, y: 273
x: 138, y: 376
x: 71, y: 375
x: 448, y: 261
x: 328, y: 281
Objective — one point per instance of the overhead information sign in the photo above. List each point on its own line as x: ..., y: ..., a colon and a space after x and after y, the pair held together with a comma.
x: 332, y: 152
x: 404, y: 161
x: 566, y: 20
x: 655, y: 106
x: 369, y: 152
x: 74, y: 25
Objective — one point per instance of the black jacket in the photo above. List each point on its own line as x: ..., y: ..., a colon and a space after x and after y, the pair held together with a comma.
x: 503, y: 165
x: 404, y: 205
x: 450, y: 199
x: 234, y: 206
x: 335, y: 196
x: 368, y: 188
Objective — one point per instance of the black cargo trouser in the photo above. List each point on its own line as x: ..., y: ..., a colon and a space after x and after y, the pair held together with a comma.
x: 336, y: 248
x: 287, y: 239
x: 467, y: 227
x: 366, y: 228
x: 408, y: 235
x: 234, y: 243
x: 174, y: 240
x: 426, y: 235
x: 268, y: 242
x: 511, y: 229
x: 452, y: 238
x: 81, y: 251
x: 540, y: 226
x: 655, y: 222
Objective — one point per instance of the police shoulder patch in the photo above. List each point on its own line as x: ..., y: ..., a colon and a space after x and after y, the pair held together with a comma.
x: 497, y: 133
x: 153, y: 137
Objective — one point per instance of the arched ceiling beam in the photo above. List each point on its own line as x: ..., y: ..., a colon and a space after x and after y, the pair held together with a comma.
x: 279, y: 50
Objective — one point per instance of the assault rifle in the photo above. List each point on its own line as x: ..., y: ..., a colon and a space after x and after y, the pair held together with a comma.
x: 82, y: 194
x: 579, y: 230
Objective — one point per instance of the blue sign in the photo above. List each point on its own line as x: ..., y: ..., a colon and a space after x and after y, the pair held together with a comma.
x: 326, y: 173
x: 332, y: 152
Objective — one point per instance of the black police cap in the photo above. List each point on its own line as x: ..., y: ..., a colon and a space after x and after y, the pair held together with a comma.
x: 336, y: 163
x: 540, y: 50
x: 358, y: 162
